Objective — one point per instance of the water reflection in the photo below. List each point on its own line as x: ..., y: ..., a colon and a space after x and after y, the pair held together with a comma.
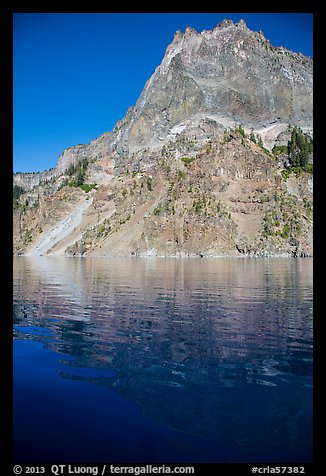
x: 221, y: 348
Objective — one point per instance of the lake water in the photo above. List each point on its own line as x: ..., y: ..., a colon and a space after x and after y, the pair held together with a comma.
x: 162, y: 360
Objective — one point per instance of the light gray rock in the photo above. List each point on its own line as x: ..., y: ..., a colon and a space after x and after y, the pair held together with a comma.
x: 230, y: 71
x: 208, y: 81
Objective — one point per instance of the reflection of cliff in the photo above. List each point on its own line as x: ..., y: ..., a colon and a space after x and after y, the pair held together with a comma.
x: 185, y: 338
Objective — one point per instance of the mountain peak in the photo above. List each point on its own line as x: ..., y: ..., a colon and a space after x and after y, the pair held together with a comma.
x: 225, y: 23
x: 242, y: 23
x: 190, y: 31
x: 230, y: 73
x: 178, y: 176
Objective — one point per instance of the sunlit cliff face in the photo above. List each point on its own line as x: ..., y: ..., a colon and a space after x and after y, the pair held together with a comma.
x: 175, y: 177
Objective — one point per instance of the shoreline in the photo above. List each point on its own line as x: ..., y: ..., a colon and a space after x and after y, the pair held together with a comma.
x: 177, y: 256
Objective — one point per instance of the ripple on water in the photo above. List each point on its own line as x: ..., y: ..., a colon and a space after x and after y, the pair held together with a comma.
x: 200, y: 347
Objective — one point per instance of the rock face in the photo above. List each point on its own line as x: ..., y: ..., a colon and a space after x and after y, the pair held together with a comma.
x: 176, y: 176
x: 227, y: 74
x: 29, y: 181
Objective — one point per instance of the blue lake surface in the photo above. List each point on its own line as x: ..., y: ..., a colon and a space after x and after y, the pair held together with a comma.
x: 162, y: 360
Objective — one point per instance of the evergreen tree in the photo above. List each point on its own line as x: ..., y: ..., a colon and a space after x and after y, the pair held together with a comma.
x: 242, y: 131
x: 17, y: 191
x: 299, y: 148
x: 260, y: 142
x: 252, y: 137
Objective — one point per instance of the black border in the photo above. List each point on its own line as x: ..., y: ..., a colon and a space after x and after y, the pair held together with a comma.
x: 6, y: 43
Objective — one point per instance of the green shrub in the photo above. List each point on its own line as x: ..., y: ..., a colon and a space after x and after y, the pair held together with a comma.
x: 198, y: 205
x: 297, y: 170
x: 78, y: 172
x: 17, y: 192
x: 307, y: 204
x: 285, y: 173
x: 87, y: 187
x: 149, y: 184
x: 187, y: 160
x: 280, y: 150
x: 286, y: 231
x: 309, y: 168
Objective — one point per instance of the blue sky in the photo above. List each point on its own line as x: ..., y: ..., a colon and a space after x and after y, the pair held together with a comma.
x: 76, y: 74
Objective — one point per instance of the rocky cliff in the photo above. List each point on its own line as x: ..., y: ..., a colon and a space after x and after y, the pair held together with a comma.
x: 189, y: 170
x: 221, y: 77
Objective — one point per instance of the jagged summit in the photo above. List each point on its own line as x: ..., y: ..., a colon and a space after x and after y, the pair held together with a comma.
x: 230, y: 23
x: 225, y: 24
x: 231, y: 72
